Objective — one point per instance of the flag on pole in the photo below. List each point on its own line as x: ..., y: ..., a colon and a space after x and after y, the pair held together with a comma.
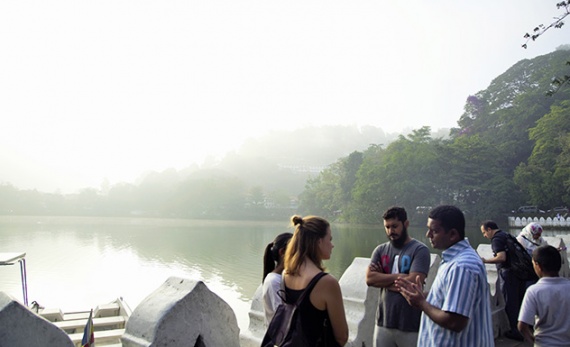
x: 88, y: 335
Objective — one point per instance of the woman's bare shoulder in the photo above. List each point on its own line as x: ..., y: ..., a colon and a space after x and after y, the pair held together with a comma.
x: 328, y: 281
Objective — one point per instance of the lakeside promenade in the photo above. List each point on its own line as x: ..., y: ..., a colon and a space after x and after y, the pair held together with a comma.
x: 184, y: 310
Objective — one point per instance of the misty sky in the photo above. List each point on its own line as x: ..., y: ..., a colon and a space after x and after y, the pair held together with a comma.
x: 95, y: 89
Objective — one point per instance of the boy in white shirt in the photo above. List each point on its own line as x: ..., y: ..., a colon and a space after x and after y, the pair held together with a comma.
x: 542, y: 318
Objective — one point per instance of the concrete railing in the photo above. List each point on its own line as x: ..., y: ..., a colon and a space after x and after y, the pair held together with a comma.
x: 185, y: 312
x: 360, y: 304
x: 548, y: 222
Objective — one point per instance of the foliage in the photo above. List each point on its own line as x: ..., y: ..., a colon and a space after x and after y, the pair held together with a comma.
x: 322, y: 193
x: 511, y: 148
x: 557, y: 82
x: 546, y: 175
x: 476, y: 179
x: 558, y: 23
x: 513, y: 102
x: 473, y: 169
x: 399, y: 175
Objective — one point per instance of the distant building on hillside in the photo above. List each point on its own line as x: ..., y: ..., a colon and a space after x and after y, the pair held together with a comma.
x: 303, y: 168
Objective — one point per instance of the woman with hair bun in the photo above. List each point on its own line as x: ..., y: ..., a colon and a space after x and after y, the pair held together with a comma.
x: 272, y: 269
x: 323, y: 306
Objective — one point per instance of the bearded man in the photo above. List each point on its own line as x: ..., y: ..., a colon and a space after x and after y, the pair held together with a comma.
x: 401, y: 257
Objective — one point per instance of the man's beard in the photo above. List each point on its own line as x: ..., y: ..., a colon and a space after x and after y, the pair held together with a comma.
x: 399, y: 242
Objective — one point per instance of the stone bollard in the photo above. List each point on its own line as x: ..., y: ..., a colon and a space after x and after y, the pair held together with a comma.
x: 256, y: 330
x: 360, y: 302
x: 182, y: 312
x: 560, y: 241
x: 435, y: 261
x: 20, y: 327
x: 500, y: 320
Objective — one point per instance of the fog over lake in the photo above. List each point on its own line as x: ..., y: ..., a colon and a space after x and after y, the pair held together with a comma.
x: 93, y: 95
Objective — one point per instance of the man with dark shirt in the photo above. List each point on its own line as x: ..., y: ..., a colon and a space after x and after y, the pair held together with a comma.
x: 397, y: 322
x: 512, y: 287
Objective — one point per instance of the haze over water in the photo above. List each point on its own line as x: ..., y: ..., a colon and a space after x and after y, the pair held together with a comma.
x: 93, y: 95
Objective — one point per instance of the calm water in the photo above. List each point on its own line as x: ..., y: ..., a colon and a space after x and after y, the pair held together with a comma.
x: 76, y: 263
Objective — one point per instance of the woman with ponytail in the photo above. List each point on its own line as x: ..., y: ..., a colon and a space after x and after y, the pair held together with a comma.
x: 323, y: 306
x: 272, y: 269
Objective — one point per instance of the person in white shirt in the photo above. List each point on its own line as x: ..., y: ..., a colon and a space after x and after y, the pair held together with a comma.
x: 272, y: 269
x: 542, y: 318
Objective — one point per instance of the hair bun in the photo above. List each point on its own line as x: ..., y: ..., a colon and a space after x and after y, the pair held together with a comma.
x: 297, y: 220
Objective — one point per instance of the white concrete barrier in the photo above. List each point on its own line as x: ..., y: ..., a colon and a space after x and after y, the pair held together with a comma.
x: 20, y: 327
x: 185, y: 312
x: 254, y: 334
x: 500, y: 320
x: 548, y: 222
x: 360, y: 304
x: 182, y: 312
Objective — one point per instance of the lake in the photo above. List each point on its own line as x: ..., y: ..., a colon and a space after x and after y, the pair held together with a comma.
x: 76, y: 263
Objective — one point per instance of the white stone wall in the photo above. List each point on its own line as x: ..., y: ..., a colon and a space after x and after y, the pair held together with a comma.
x: 360, y: 304
x: 185, y: 312
x: 20, y: 327
x: 521, y: 222
x: 181, y: 313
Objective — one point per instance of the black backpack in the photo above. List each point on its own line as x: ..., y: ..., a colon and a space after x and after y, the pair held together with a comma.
x: 519, y: 259
x: 285, y: 329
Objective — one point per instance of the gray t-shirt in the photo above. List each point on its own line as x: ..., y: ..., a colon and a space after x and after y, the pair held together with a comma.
x: 545, y: 307
x: 394, y: 312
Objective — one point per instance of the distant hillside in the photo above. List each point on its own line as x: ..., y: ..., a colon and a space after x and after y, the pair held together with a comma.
x: 512, y: 148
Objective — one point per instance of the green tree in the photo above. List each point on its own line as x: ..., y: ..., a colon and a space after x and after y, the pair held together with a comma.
x: 546, y: 175
x: 402, y: 174
x: 321, y: 193
x: 475, y: 178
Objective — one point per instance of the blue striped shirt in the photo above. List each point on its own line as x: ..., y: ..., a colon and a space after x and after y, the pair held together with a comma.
x: 461, y: 287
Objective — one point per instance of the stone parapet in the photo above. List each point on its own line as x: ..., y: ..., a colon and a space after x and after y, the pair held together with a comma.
x: 545, y: 222
x: 20, y: 327
x: 184, y: 312
x: 360, y: 303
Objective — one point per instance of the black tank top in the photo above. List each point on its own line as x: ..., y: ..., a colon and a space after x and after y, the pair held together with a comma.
x: 312, y: 318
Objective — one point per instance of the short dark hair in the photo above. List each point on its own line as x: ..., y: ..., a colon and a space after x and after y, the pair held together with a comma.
x: 396, y: 212
x: 489, y: 224
x: 450, y: 217
x: 548, y: 258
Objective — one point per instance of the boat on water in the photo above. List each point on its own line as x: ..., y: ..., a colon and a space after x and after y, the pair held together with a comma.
x: 109, y: 320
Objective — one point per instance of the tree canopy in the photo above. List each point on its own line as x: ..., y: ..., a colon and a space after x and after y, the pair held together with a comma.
x: 511, y: 148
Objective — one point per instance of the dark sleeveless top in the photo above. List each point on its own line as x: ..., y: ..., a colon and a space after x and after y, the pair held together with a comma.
x: 312, y: 319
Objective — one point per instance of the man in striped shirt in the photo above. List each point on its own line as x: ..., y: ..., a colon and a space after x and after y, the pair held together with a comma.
x: 457, y: 310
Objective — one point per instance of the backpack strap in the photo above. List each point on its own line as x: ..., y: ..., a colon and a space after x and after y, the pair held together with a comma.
x: 531, y: 241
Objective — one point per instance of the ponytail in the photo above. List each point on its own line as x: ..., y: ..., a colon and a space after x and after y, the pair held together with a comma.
x: 271, y: 256
x: 268, y: 262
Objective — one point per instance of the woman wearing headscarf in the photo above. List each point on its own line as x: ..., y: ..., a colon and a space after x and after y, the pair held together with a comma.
x: 531, y: 237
